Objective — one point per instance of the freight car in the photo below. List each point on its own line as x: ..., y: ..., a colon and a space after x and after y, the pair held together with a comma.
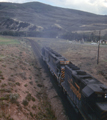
x: 85, y: 93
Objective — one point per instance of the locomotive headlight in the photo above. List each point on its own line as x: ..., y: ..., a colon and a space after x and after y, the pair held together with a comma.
x: 105, y: 96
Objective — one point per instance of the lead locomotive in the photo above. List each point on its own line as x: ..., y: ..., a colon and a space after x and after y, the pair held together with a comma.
x: 84, y: 92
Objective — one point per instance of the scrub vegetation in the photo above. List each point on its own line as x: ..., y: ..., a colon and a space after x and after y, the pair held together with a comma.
x: 18, y: 67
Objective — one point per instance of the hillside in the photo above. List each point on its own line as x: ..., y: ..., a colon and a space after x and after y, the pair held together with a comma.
x: 26, y: 92
x: 48, y: 21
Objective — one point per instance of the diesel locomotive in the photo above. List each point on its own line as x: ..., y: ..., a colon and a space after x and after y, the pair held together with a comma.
x: 85, y: 93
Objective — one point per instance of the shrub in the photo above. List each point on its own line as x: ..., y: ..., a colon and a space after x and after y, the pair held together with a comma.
x: 25, y: 85
x: 34, y: 107
x: 14, y: 97
x: 25, y: 102
x: 28, y: 97
x: 33, y: 99
x: 3, y: 85
x: 39, y: 85
x: 31, y: 114
x: 17, y: 83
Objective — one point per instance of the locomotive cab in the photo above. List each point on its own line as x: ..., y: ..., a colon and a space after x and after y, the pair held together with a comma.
x: 94, y: 100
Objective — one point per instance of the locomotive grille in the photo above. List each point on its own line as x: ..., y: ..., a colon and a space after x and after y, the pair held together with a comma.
x: 104, y: 115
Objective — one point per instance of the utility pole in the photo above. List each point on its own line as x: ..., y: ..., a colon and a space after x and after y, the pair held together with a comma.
x: 98, y: 48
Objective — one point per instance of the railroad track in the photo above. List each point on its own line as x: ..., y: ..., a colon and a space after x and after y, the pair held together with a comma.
x: 69, y: 110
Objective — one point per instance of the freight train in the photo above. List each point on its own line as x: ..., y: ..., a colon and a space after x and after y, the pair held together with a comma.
x: 85, y: 93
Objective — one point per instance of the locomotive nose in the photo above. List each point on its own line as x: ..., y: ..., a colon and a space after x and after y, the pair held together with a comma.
x: 103, y: 115
x: 102, y: 110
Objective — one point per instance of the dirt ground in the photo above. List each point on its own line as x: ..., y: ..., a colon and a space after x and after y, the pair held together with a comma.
x: 22, y: 92
x: 25, y: 89
x: 82, y: 55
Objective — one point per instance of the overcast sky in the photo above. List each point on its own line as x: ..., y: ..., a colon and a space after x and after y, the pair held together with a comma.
x: 93, y: 6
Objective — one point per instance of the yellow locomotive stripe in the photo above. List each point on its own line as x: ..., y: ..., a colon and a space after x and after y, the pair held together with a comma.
x: 103, y: 112
x: 104, y: 117
x: 63, y: 73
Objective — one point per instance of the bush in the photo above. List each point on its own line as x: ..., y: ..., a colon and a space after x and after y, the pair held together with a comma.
x: 3, y: 85
x: 14, y: 97
x: 17, y: 83
x: 25, y: 102
x: 33, y: 99
x: 25, y: 85
x: 28, y: 97
x: 34, y: 107
x: 39, y: 85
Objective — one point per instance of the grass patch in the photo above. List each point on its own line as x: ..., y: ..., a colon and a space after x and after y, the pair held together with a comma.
x: 5, y: 90
x: 25, y: 85
x: 4, y: 98
x: 105, y: 60
x: 2, y: 56
x: 3, y: 85
x: 5, y: 41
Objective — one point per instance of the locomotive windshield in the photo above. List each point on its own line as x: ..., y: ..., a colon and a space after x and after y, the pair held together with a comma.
x: 101, y: 97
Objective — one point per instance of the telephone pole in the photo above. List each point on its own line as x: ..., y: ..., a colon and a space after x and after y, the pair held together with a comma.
x: 98, y: 48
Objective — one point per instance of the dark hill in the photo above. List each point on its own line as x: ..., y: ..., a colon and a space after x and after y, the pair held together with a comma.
x: 48, y: 20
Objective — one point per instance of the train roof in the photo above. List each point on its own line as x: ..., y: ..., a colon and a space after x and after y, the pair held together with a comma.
x: 91, y: 88
x: 55, y: 54
x: 91, y: 83
x: 72, y: 66
x: 82, y: 75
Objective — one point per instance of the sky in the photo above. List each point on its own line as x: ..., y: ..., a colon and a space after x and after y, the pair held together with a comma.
x: 93, y: 6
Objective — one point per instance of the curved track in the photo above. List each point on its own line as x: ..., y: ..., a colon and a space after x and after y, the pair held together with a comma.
x: 69, y: 110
